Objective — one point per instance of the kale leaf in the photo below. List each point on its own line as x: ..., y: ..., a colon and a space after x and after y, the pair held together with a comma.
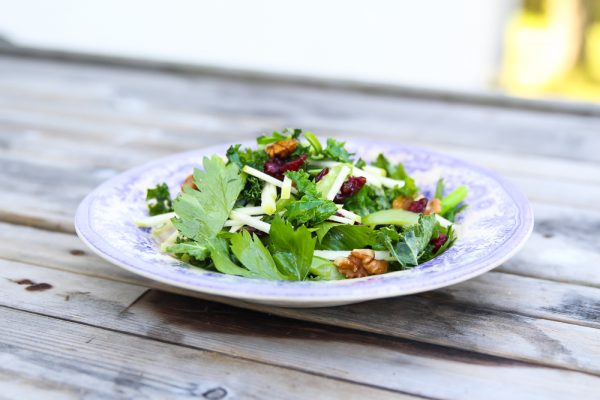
x: 336, y: 151
x: 311, y: 208
x: 409, y: 246
x: 368, y: 199
x: 202, y: 213
x: 159, y: 200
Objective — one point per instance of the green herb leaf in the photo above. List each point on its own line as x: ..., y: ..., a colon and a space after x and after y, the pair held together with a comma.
x: 254, y: 158
x: 348, y: 237
x: 368, y: 200
x: 414, y: 241
x: 219, y: 253
x: 292, y: 249
x: 411, y: 245
x: 202, y: 213
x: 397, y: 171
x: 159, y: 200
x: 254, y: 256
x: 194, y: 249
x: 303, y: 182
x: 337, y: 152
x: 311, y: 208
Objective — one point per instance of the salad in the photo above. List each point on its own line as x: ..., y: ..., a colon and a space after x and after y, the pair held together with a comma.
x: 298, y: 209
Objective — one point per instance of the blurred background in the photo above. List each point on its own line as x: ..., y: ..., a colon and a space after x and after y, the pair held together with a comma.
x: 525, y: 48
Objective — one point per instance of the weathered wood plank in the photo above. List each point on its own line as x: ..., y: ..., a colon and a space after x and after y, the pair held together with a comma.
x: 563, y: 247
x: 325, y: 110
x: 385, y: 362
x: 22, y: 135
x: 70, y: 360
x: 454, y: 325
x: 497, y: 291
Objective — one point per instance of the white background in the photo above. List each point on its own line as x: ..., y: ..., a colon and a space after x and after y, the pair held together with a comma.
x: 432, y: 43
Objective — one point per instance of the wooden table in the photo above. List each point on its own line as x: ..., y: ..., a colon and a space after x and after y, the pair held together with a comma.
x: 74, y: 326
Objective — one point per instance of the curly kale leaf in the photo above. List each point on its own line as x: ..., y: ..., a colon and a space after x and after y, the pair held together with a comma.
x: 159, y: 200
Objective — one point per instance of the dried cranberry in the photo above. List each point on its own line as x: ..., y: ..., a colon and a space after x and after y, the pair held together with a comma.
x: 418, y: 206
x: 321, y: 174
x: 438, y: 242
x: 273, y: 166
x: 276, y: 166
x: 350, y: 188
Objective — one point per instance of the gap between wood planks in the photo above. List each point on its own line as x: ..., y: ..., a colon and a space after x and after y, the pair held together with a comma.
x: 163, y: 316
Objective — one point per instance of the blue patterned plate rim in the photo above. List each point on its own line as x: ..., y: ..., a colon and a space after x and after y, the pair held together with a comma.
x: 506, y: 218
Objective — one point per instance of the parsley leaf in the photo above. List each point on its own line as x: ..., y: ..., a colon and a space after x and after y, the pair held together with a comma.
x: 397, y: 171
x: 159, y: 200
x: 202, y: 213
x: 292, y: 249
x: 337, y: 152
x: 254, y: 256
x: 219, y: 254
x: 348, y: 237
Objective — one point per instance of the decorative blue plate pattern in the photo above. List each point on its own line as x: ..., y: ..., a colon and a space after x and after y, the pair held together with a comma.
x: 496, y: 224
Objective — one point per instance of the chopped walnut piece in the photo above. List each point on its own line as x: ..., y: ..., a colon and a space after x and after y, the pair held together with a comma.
x: 282, y: 149
x: 402, y: 202
x: 189, y: 182
x: 433, y: 207
x: 361, y: 263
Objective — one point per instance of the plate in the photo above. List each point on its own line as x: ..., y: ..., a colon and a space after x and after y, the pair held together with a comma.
x: 494, y: 227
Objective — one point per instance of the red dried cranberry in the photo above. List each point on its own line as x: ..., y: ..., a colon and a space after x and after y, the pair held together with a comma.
x: 294, y: 165
x: 276, y: 166
x: 350, y: 188
x: 321, y: 174
x: 438, y: 242
x: 273, y: 166
x: 418, y: 206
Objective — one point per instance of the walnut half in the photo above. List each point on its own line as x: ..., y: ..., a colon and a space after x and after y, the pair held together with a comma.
x: 433, y: 207
x: 282, y: 149
x: 361, y: 263
x: 189, y: 182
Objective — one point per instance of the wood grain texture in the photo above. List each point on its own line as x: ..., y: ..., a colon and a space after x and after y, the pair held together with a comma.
x: 374, y: 360
x: 431, y: 318
x: 332, y: 110
x: 76, y: 361
x: 66, y: 126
